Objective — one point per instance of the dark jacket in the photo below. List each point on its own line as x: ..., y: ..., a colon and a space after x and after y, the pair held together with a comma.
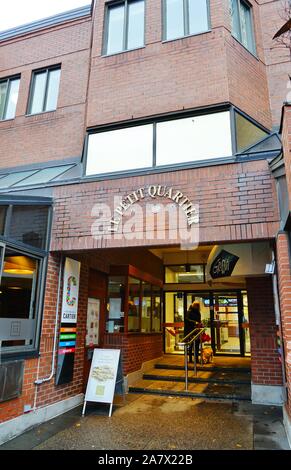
x: 193, y: 318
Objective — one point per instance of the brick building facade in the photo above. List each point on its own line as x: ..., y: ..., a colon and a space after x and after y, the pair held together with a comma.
x: 230, y: 82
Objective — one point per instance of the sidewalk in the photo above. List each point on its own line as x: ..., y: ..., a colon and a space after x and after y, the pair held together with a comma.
x: 160, y: 423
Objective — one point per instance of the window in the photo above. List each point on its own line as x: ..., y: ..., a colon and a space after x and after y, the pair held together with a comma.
x: 146, y: 307
x: 156, y: 309
x: 185, y: 274
x: 115, y: 306
x: 165, y: 143
x: 187, y: 140
x: 124, y: 26
x: 120, y: 150
x: 8, y: 97
x: 23, y: 245
x: 185, y: 17
x: 17, y: 299
x: 44, y: 90
x: 242, y: 24
x: 247, y: 133
x: 133, y: 304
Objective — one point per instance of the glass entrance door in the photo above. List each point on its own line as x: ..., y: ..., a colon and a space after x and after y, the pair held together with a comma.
x: 226, y: 323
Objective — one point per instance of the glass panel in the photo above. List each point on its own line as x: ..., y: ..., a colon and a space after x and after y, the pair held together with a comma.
x: 53, y: 89
x: 2, y: 220
x: 246, y: 325
x: 235, y: 23
x: 44, y: 176
x: 198, y: 16
x: 146, y: 307
x: 226, y: 324
x: 157, y: 309
x: 135, y: 24
x: 29, y: 225
x: 38, y: 92
x: 247, y: 133
x: 174, y: 322
x: 184, y: 274
x: 12, y: 99
x: 115, y: 306
x: 187, y: 140
x: 174, y: 19
x: 133, y: 304
x: 13, y: 178
x: 247, y: 37
x: 3, y: 90
x: 18, y: 290
x: 115, y: 29
x: 119, y: 150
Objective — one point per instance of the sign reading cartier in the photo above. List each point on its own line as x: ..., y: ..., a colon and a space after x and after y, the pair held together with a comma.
x: 155, y: 191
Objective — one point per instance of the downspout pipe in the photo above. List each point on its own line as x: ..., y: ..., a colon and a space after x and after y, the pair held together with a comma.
x: 53, y: 368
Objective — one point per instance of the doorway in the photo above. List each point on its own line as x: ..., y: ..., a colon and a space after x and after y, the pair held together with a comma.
x: 223, y: 313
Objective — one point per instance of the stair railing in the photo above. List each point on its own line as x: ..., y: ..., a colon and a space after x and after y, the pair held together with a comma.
x: 187, y: 341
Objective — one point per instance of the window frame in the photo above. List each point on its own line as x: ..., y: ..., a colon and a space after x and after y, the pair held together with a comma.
x: 186, y: 21
x: 154, y: 169
x: 124, y: 49
x: 47, y: 71
x: 41, y: 255
x: 253, y: 51
x: 7, y: 94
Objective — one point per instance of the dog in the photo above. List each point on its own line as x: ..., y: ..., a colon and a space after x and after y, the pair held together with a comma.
x: 207, y: 355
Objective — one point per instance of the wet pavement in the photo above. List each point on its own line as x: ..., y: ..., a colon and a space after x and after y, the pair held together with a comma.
x: 145, y: 422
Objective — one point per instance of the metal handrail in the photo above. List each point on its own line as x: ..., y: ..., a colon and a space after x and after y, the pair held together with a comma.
x: 186, y: 345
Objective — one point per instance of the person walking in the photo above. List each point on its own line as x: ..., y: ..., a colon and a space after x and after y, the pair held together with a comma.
x: 192, y: 321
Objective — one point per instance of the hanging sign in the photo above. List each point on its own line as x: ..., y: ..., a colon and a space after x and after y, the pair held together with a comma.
x: 223, y: 265
x: 68, y: 331
x: 102, y: 378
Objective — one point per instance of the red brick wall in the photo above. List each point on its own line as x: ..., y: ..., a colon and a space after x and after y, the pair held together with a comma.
x: 277, y: 56
x: 265, y: 364
x: 237, y: 202
x: 136, y: 349
x: 58, y: 134
x: 48, y: 393
x: 284, y: 278
x: 185, y: 73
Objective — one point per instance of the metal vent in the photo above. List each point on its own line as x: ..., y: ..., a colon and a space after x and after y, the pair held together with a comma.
x: 11, y: 380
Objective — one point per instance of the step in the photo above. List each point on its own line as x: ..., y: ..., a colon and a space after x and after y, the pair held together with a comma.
x: 193, y: 379
x: 245, y: 370
x: 197, y: 390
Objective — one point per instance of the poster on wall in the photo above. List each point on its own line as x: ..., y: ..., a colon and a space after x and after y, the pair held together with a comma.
x: 68, y: 330
x: 102, y: 378
x: 93, y: 316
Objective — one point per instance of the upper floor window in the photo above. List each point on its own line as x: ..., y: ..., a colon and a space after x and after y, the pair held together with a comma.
x: 8, y: 97
x: 124, y: 26
x: 185, y: 17
x: 44, y: 90
x: 242, y: 24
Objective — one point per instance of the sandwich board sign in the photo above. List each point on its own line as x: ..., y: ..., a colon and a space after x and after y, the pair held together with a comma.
x: 102, y: 378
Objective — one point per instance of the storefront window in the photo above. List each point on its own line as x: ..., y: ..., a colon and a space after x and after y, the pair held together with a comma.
x: 18, y: 293
x: 29, y: 225
x: 133, y: 304
x: 185, y: 274
x: 156, y: 309
x: 146, y: 307
x: 116, y: 303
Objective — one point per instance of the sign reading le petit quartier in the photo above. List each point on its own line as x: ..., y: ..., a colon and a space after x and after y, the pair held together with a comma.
x: 155, y: 192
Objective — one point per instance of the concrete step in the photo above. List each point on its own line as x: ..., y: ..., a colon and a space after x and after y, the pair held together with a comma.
x: 244, y: 370
x: 205, y: 390
x: 195, y: 379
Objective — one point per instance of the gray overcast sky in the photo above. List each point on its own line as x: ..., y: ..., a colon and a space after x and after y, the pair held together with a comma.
x: 17, y: 12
